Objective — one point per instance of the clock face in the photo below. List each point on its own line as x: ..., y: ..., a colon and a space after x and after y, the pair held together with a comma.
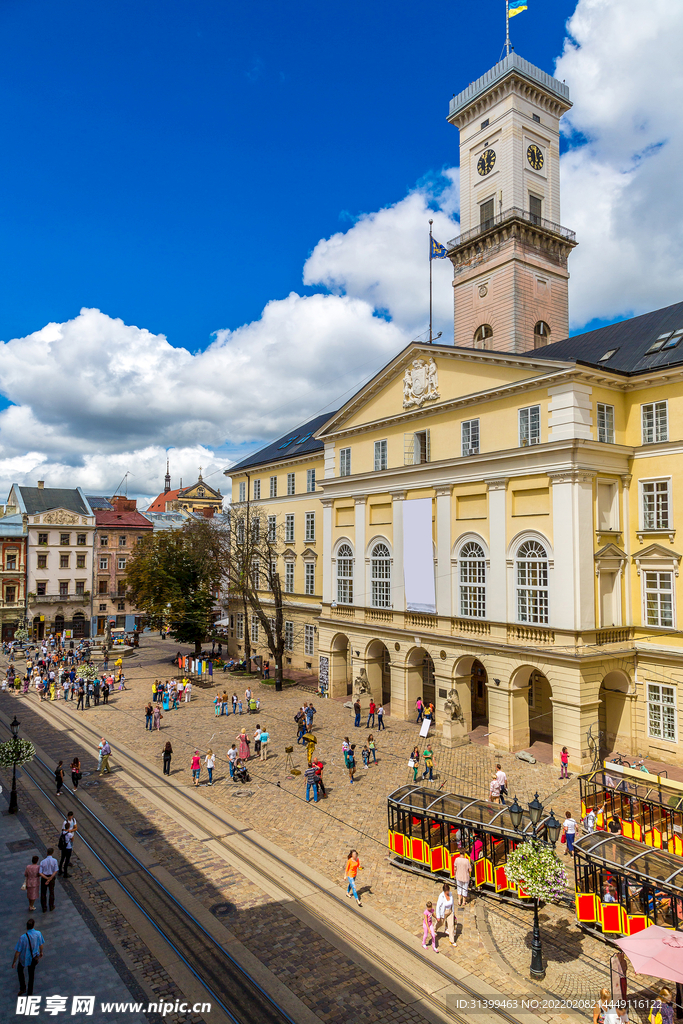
x: 486, y: 162
x: 535, y: 157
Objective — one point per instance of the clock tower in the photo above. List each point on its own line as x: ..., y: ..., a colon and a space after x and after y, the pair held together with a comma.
x: 510, y: 260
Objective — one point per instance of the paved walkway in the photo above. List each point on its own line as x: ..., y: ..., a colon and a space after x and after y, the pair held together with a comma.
x: 78, y: 959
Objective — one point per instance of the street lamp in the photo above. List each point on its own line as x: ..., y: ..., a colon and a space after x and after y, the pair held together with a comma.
x: 13, y: 805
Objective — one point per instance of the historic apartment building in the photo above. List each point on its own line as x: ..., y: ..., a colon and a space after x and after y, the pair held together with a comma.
x: 119, y: 530
x: 12, y: 572
x: 59, y: 525
x: 495, y: 521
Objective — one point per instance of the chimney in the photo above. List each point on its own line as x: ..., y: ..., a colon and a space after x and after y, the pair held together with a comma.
x: 123, y: 504
x: 41, y: 484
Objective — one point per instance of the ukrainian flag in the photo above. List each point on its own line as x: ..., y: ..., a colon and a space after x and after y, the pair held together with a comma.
x: 516, y: 7
x: 437, y: 251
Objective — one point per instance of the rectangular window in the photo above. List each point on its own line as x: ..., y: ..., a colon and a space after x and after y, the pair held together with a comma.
x: 469, y: 435
x: 289, y: 635
x: 289, y: 529
x: 42, y: 538
x: 121, y: 587
x: 289, y: 577
x: 661, y: 714
x: 257, y: 490
x: 102, y: 586
x: 255, y: 530
x: 272, y: 527
x: 122, y: 563
x: 309, y: 568
x: 535, y: 209
x: 530, y: 426
x: 380, y: 455
x: 104, y: 563
x: 80, y: 587
x: 11, y: 563
x: 605, y: 423
x: 291, y: 483
x: 256, y: 573
x: 64, y: 588
x: 41, y: 589
x: 309, y: 638
x: 80, y: 538
x: 344, y: 462
x: 310, y: 526
x: 122, y: 541
x: 310, y: 480
x: 659, y: 598
x: 121, y: 606
x: 63, y: 561
x: 240, y: 626
x: 104, y: 541
x: 10, y: 594
x: 42, y: 561
x: 64, y: 539
x: 243, y: 492
x: 273, y: 487
x: 80, y: 561
x: 656, y: 504
x: 273, y: 573
x: 254, y: 628
x: 608, y: 505
x: 486, y: 214
x: 416, y: 449
x: 655, y: 419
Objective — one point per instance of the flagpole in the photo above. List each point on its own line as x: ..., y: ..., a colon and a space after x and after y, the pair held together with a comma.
x: 507, y: 28
x: 430, y: 281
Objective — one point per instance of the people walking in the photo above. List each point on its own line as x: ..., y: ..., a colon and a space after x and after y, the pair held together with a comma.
x: 65, y: 844
x: 75, y: 772
x: 353, y: 866
x: 445, y: 911
x: 372, y: 748
x: 167, y: 754
x: 48, y: 869
x: 32, y: 881
x: 356, y: 711
x: 564, y: 763
x: 463, y: 873
x: 264, y: 744
x: 503, y: 781
x: 149, y: 714
x: 243, y: 749
x: 429, y: 764
x: 311, y: 782
x: 380, y: 718
x: 81, y: 696
x: 350, y: 761
x: 104, y: 767
x: 100, y: 748
x: 414, y: 762
x: 196, y: 767
x: 420, y: 708
x: 27, y: 953
x: 494, y: 789
x: 59, y: 778
x: 156, y: 718
x: 209, y: 762
x: 429, y: 926
x: 569, y: 832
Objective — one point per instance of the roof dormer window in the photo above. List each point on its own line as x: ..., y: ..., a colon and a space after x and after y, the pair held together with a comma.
x: 674, y: 339
x: 607, y: 355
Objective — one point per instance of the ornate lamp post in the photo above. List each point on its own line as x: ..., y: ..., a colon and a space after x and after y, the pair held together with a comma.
x: 552, y: 828
x: 13, y: 805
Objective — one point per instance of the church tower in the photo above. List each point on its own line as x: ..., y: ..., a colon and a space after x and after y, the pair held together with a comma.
x: 510, y: 260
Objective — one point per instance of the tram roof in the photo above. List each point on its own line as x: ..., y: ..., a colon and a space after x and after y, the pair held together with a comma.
x: 628, y: 856
x: 461, y: 810
x: 648, y: 788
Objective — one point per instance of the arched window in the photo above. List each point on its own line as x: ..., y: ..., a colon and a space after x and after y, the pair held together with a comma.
x: 532, y: 583
x: 482, y: 335
x: 345, y: 575
x: 541, y: 334
x: 381, y: 576
x: 472, y: 581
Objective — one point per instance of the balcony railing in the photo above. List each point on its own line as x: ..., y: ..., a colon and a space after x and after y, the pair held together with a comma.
x: 514, y: 213
x: 59, y: 599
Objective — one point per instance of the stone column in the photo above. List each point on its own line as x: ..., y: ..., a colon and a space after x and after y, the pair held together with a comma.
x: 572, y: 593
x: 627, y: 617
x: 328, y: 582
x: 496, y: 588
x: 398, y: 587
x: 444, y: 587
x: 359, y: 597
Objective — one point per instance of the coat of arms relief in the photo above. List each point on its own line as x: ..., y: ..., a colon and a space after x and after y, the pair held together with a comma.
x: 420, y: 383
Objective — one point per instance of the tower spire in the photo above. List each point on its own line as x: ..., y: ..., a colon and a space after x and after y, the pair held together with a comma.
x: 167, y: 480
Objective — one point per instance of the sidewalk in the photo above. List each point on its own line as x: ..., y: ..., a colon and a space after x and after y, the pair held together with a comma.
x: 78, y: 959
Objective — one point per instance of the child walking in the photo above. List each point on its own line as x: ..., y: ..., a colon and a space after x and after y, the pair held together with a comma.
x: 429, y: 926
x: 564, y: 762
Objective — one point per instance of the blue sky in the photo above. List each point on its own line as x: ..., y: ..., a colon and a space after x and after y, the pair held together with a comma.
x: 213, y: 217
x: 173, y: 163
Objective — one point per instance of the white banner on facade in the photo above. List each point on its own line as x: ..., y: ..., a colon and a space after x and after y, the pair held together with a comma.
x: 418, y: 556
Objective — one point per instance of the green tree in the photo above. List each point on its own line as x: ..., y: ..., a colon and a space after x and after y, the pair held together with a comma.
x: 173, y: 577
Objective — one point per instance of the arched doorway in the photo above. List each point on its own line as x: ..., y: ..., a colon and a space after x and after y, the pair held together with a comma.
x: 378, y: 664
x: 341, y: 682
x: 420, y: 678
x: 38, y: 628
x: 532, y: 713
x: 59, y: 623
x: 614, y: 713
x: 470, y: 680
x: 480, y: 699
x: 79, y: 624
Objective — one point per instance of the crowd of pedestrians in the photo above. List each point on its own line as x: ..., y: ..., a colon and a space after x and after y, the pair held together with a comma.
x: 55, y: 670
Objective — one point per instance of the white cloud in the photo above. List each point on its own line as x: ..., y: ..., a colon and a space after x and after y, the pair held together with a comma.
x: 621, y: 183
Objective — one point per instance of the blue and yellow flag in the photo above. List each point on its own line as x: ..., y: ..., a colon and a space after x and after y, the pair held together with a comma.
x: 516, y: 7
x: 437, y: 251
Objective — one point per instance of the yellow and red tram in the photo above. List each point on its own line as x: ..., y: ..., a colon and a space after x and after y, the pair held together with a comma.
x: 428, y: 831
x: 623, y: 886
x: 646, y: 807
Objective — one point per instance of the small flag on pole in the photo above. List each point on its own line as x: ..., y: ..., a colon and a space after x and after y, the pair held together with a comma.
x: 437, y: 251
x: 516, y: 7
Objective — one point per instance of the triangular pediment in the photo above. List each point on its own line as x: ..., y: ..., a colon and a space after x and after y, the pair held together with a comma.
x: 655, y: 551
x: 199, y: 490
x: 610, y: 551
x: 289, y: 554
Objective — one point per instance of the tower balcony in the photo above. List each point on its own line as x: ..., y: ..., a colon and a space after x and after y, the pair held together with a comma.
x: 507, y: 218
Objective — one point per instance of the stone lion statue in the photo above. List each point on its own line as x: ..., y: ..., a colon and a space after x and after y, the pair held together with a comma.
x: 452, y: 706
x: 361, y: 685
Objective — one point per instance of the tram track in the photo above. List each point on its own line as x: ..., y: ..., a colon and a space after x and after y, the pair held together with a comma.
x: 315, y: 900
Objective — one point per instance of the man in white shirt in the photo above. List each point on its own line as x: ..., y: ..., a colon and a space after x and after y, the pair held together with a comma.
x: 48, y: 872
x: 445, y: 911
x: 232, y: 758
x: 503, y: 782
x: 569, y: 832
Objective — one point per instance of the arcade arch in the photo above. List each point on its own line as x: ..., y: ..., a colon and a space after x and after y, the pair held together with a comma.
x: 341, y: 681
x: 378, y: 666
x: 471, y: 681
x: 614, y: 713
x: 420, y: 677
x: 531, y: 708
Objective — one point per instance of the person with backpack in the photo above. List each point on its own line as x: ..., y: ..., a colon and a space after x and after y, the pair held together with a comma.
x: 350, y: 761
x: 66, y: 842
x: 300, y: 719
x: 28, y: 951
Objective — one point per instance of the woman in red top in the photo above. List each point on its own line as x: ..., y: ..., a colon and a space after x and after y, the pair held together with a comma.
x: 196, y: 767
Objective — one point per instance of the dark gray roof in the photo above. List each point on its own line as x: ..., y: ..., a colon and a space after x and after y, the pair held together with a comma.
x: 42, y: 499
x: 507, y: 66
x: 631, y: 340
x: 299, y: 441
x: 97, y: 501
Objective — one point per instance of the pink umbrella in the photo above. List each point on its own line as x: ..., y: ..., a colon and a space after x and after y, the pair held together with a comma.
x: 655, y: 951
